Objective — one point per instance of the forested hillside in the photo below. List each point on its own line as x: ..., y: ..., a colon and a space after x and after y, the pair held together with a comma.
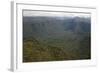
x: 56, y: 38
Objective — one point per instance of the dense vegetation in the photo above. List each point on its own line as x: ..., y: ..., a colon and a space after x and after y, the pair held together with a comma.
x: 56, y: 39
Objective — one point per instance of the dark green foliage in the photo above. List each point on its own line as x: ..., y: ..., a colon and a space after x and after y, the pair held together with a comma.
x: 34, y: 51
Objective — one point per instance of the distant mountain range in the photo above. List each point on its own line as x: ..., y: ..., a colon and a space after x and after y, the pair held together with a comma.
x: 54, y: 26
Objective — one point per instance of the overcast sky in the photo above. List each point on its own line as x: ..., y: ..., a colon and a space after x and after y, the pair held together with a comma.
x: 59, y: 14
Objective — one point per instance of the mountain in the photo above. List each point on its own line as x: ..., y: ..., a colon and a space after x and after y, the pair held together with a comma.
x: 54, y: 26
x: 56, y: 38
